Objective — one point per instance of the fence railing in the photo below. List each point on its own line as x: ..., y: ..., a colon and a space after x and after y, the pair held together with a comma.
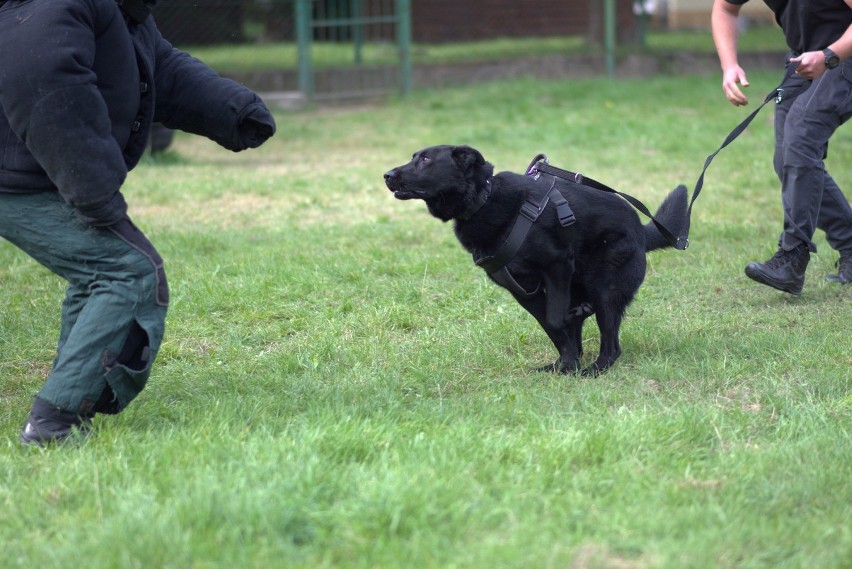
x: 356, y: 23
x: 372, y: 31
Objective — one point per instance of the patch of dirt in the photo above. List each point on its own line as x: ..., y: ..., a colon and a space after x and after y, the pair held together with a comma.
x: 739, y: 397
x: 596, y: 556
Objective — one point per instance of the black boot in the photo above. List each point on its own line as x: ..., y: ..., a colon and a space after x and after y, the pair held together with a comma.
x: 48, y: 423
x: 844, y: 272
x: 785, y: 271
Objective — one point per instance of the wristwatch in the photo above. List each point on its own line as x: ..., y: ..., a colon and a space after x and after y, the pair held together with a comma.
x: 831, y: 59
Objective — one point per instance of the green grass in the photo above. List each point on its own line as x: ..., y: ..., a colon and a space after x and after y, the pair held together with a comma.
x: 341, y: 387
x: 757, y: 38
x: 327, y: 54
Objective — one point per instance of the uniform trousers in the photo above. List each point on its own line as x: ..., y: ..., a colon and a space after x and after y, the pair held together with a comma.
x: 114, y: 311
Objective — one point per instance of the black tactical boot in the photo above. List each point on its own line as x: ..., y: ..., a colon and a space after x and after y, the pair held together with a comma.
x: 844, y: 272
x: 785, y: 271
x: 48, y: 423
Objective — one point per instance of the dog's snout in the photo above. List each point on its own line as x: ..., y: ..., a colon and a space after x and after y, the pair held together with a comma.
x: 392, y: 179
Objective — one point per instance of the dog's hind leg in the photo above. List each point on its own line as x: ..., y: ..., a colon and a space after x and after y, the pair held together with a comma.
x: 609, y: 322
x: 579, y: 314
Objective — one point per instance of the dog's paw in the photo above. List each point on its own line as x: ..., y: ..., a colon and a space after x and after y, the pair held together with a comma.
x: 549, y: 368
x: 596, y: 368
x: 591, y: 371
x: 560, y: 367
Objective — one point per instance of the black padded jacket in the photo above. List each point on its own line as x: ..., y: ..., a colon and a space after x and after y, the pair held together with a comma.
x: 80, y: 85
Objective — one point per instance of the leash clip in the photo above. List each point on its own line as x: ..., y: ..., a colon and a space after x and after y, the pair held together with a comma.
x: 532, y: 169
x: 779, y: 95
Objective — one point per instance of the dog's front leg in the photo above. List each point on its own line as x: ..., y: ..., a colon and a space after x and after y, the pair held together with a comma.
x: 564, y: 339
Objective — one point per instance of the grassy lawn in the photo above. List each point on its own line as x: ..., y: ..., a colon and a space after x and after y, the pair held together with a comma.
x: 341, y: 387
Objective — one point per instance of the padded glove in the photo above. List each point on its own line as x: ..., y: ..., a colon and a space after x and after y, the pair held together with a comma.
x: 256, y: 126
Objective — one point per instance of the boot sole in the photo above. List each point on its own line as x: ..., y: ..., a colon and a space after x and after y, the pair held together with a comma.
x: 755, y: 273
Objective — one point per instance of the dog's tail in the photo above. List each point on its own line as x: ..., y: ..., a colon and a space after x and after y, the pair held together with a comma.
x: 672, y: 214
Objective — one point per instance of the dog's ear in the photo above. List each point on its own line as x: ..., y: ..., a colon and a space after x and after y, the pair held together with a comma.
x: 467, y: 157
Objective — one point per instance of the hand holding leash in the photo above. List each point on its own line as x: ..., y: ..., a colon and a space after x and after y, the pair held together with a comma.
x: 810, y: 65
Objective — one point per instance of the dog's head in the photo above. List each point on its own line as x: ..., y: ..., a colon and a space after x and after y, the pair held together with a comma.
x: 446, y: 177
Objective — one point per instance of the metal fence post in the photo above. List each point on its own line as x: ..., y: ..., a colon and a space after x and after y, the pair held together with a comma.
x: 303, y: 39
x: 403, y: 38
x: 358, y: 30
x: 609, y: 37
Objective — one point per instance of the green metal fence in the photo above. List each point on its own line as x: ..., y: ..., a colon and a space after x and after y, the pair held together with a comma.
x: 362, y: 26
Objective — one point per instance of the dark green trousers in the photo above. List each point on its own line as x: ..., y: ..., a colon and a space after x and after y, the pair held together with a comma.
x: 113, y: 315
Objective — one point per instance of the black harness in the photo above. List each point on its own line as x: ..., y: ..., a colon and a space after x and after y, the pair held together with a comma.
x: 496, y: 265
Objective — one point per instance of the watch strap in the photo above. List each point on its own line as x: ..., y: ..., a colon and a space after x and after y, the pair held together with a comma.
x: 831, y: 58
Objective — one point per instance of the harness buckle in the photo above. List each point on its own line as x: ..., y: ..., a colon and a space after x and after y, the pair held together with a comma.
x: 779, y: 95
x: 565, y: 214
x: 531, y: 211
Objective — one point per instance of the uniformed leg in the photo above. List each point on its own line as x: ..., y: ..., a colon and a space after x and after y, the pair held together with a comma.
x: 811, y: 199
x: 113, y: 315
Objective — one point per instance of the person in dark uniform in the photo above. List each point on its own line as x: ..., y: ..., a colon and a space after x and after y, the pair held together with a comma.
x: 81, y: 82
x: 819, y: 36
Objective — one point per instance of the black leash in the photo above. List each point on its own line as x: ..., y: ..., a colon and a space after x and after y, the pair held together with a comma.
x: 681, y: 242
x: 778, y: 94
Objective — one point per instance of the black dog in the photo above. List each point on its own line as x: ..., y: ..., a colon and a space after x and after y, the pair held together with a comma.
x: 595, y: 267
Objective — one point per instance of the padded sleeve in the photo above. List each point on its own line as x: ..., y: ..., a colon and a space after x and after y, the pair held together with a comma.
x: 192, y: 97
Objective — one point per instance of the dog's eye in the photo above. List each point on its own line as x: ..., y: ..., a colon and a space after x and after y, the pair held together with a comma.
x: 425, y: 159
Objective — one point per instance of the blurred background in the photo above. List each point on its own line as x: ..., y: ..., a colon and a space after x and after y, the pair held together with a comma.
x: 298, y: 51
x: 320, y: 49
x: 206, y: 22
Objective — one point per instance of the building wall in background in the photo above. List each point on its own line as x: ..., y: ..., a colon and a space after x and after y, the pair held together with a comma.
x: 451, y: 20
x: 204, y: 22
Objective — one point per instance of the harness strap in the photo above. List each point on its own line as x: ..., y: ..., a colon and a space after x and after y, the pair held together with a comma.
x: 505, y: 279
x: 564, y: 214
x: 531, y: 210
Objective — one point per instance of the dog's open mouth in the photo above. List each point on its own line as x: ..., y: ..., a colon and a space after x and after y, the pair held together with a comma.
x: 405, y: 194
x: 401, y: 193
